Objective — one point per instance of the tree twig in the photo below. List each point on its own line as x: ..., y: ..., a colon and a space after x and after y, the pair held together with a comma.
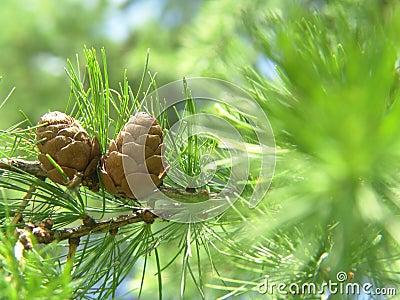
x: 45, y: 234
x: 34, y: 168
x: 31, y: 167
x: 18, y: 216
x: 73, y: 245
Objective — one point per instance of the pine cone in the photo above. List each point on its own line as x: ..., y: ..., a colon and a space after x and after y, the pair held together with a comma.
x: 65, y: 140
x: 136, y: 152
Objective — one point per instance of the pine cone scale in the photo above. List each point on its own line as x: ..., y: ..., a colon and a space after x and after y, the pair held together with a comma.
x: 68, y: 132
x: 57, y: 177
x: 45, y: 162
x: 159, y: 149
x: 66, y: 157
x: 91, y: 167
x: 131, y: 166
x: 133, y: 150
x: 47, y: 135
x: 95, y: 152
x: 54, y: 145
x: 114, y: 167
x: 108, y: 182
x: 154, y: 164
x: 153, y: 141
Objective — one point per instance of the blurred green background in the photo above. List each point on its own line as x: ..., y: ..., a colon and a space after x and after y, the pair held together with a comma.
x: 185, y: 38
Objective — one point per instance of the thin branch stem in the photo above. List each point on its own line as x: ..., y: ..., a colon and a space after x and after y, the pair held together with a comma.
x: 73, y: 245
x: 45, y: 235
x: 31, y: 167
x: 34, y: 168
x: 18, y: 216
x: 43, y: 230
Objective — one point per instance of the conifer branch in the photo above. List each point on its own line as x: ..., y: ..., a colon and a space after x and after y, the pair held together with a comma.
x: 45, y: 234
x: 34, y: 168
x: 73, y: 245
x: 24, y: 203
x: 43, y: 230
x: 17, y: 165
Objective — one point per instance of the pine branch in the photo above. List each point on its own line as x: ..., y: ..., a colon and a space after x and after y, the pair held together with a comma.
x: 45, y: 234
x: 73, y: 245
x: 24, y: 203
x: 17, y: 165
x: 34, y: 168
x: 43, y: 230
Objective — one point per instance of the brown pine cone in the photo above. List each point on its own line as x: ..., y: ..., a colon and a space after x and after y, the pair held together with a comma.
x: 136, y: 152
x: 65, y: 140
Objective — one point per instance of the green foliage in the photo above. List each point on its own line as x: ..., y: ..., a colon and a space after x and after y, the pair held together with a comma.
x: 37, y: 276
x: 334, y: 110
x: 333, y: 205
x: 101, y: 108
